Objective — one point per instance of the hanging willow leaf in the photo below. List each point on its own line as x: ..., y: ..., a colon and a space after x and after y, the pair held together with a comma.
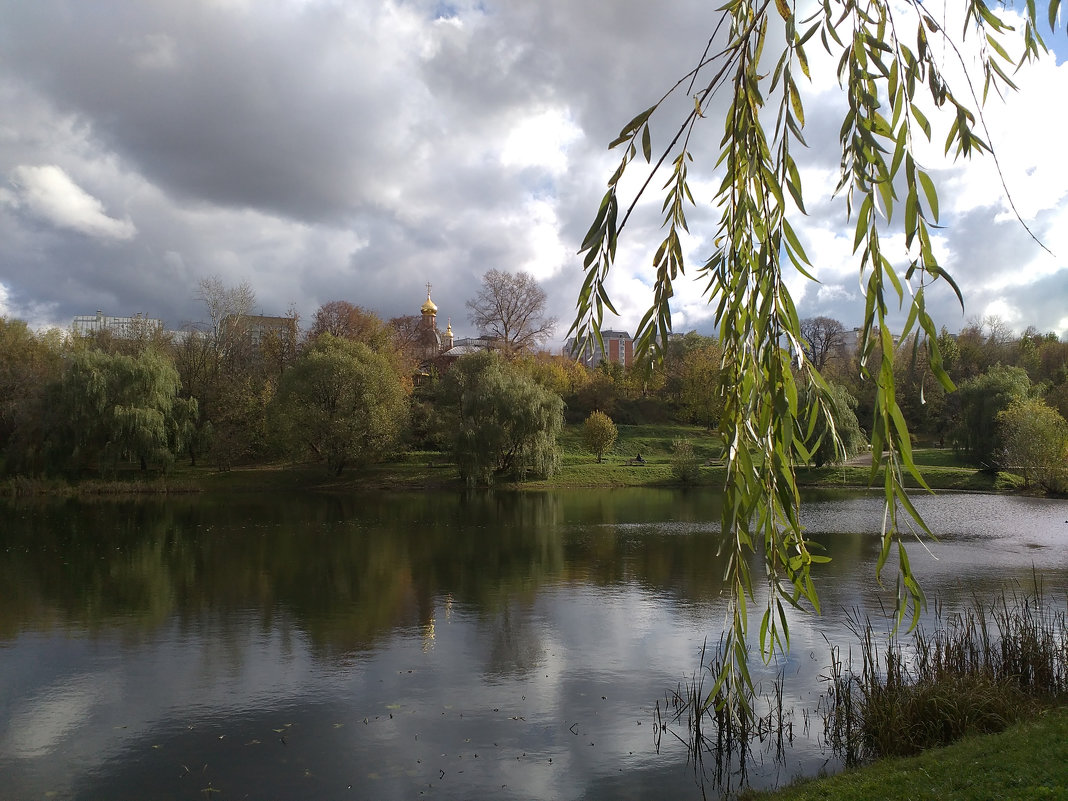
x: 762, y: 429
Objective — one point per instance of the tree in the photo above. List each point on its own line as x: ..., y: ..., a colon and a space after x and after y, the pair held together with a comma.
x: 497, y: 421
x: 342, y: 319
x: 27, y: 364
x: 599, y: 434
x: 981, y: 399
x: 834, y: 433
x: 108, y: 408
x: 511, y: 308
x: 825, y: 339
x: 279, y: 345
x: 226, y: 307
x: 1034, y: 441
x: 699, y: 376
x: 558, y: 374
x: 342, y: 403
x: 757, y: 189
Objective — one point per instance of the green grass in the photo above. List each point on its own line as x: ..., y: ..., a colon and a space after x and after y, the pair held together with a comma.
x: 578, y: 468
x: 979, y: 700
x: 941, y: 468
x: 1026, y: 762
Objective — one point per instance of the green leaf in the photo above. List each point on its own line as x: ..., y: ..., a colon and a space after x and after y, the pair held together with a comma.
x: 921, y: 120
x: 930, y: 193
x: 794, y: 242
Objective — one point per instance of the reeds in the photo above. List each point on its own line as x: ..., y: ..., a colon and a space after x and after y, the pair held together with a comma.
x: 975, y: 671
x: 722, y: 730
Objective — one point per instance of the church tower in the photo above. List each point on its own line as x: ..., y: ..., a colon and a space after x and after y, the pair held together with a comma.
x: 430, y: 312
x: 429, y: 338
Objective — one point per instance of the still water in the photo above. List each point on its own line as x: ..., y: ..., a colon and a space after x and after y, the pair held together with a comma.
x: 426, y: 645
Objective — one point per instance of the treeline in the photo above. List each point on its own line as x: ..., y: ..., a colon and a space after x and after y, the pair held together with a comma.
x: 1010, y: 402
x: 352, y: 389
x: 349, y: 390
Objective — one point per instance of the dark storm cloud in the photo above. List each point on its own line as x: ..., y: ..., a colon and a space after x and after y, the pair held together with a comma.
x: 295, y: 112
x: 357, y: 150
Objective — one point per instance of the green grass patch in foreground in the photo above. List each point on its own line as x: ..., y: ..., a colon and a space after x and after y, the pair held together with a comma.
x: 1026, y: 762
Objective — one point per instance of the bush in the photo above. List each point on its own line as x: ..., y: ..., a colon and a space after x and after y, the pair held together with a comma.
x: 685, y: 466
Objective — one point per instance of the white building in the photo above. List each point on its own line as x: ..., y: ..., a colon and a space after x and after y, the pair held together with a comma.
x: 121, y: 327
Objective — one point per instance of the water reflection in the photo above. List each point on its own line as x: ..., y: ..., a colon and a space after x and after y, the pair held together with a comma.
x: 494, y: 644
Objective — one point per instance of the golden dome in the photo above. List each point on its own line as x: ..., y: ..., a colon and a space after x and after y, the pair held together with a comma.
x: 448, y: 329
x: 429, y: 307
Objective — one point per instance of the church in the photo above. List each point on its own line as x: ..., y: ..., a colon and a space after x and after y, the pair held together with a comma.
x: 433, y: 343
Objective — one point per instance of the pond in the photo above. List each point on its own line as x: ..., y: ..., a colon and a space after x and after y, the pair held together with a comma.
x: 423, y: 645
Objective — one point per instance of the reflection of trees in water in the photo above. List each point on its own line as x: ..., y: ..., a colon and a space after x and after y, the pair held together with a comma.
x: 349, y: 570
x: 515, y: 644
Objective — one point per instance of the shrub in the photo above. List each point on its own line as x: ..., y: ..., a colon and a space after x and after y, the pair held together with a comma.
x: 685, y: 466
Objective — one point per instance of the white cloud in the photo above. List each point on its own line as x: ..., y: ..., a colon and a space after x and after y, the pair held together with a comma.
x: 540, y: 140
x: 48, y: 192
x: 356, y: 150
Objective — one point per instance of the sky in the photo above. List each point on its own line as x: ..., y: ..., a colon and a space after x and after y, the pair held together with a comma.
x: 352, y: 150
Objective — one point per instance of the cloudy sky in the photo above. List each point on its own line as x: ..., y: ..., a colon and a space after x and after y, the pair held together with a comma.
x: 356, y: 149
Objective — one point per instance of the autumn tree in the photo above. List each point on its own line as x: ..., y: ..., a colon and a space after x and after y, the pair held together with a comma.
x: 226, y: 308
x: 511, y: 307
x: 699, y: 373
x: 232, y: 373
x: 893, y: 74
x: 599, y: 434
x: 344, y: 320
x: 280, y: 345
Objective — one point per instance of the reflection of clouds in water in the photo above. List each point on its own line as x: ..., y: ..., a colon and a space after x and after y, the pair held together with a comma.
x: 40, y: 723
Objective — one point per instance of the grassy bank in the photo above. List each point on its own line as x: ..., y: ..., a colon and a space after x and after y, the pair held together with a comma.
x: 578, y: 468
x: 1028, y: 761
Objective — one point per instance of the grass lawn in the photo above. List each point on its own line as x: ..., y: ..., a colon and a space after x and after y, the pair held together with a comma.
x: 1026, y: 762
x: 941, y: 469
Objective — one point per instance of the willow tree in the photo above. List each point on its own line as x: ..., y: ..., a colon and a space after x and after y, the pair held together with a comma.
x: 497, y: 421
x: 892, y: 80
x: 105, y: 408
